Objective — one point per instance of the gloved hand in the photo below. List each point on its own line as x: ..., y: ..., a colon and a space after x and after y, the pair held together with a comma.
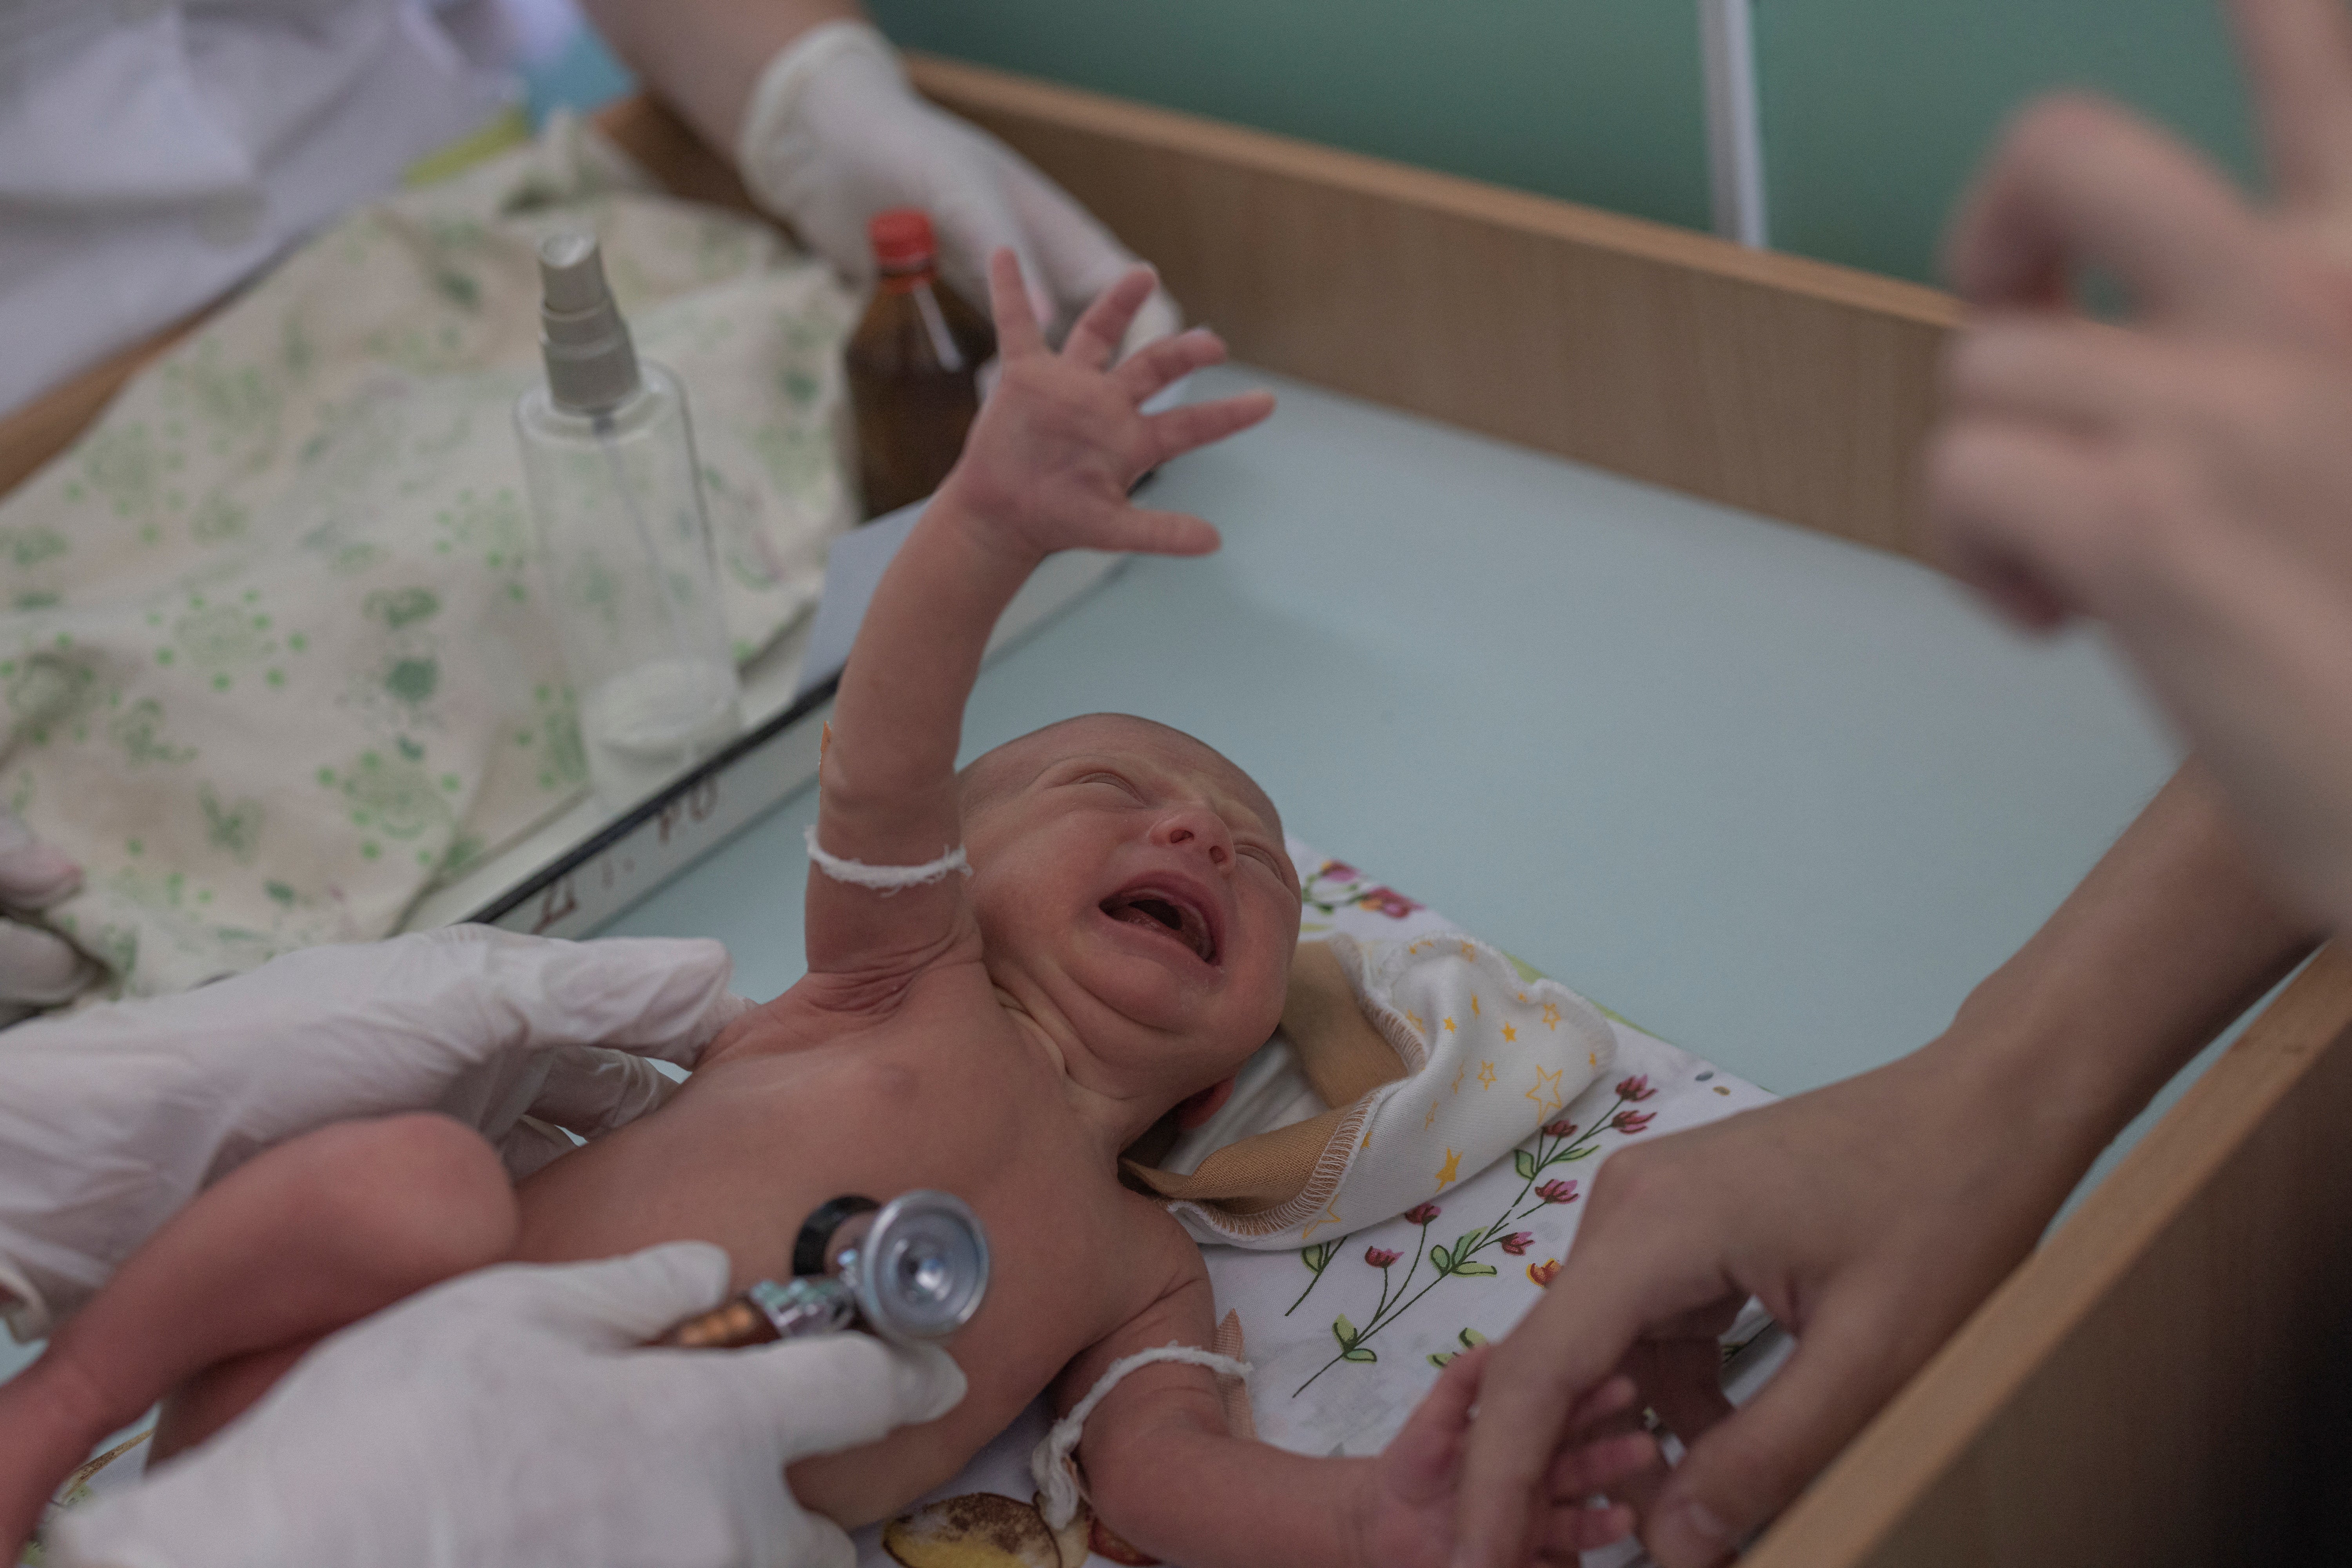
x: 504, y: 1418
x: 112, y: 1118
x: 37, y: 968
x: 835, y: 135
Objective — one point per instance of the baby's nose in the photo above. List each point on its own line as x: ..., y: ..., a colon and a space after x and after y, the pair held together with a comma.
x: 1199, y: 830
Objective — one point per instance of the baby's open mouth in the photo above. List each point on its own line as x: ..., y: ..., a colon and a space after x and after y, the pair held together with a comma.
x: 1155, y: 909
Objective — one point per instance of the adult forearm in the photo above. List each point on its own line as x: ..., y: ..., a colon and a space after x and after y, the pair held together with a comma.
x: 2173, y: 933
x: 704, y: 57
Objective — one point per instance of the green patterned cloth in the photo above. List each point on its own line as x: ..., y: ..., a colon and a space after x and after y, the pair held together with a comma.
x: 274, y: 651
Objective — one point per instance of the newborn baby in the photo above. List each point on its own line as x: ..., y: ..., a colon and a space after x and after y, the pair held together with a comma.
x: 1091, y: 924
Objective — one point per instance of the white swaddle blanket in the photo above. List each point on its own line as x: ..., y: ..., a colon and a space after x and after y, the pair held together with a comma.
x: 270, y: 638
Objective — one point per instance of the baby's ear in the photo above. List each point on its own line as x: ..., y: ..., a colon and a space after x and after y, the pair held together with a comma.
x: 1197, y: 1109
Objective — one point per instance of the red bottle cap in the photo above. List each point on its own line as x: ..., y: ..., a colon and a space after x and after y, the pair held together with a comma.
x: 902, y: 237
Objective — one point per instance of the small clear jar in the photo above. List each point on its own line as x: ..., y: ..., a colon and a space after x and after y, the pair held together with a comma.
x: 626, y: 551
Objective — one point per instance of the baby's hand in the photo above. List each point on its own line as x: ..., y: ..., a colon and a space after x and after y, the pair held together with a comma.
x: 1049, y: 460
x: 1407, y: 1519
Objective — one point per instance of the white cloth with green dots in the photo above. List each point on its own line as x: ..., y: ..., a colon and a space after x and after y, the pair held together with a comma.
x: 275, y: 656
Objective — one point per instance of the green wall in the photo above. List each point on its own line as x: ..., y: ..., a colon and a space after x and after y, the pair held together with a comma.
x: 1597, y: 100
x: 1875, y: 110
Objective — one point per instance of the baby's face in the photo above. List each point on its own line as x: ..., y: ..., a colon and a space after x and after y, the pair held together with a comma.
x: 1135, y: 875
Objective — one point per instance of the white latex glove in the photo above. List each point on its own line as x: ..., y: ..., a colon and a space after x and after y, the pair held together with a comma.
x: 503, y: 1418
x: 37, y: 968
x: 835, y: 135
x: 114, y: 1118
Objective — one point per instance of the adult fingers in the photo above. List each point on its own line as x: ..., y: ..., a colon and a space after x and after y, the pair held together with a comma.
x: 1741, y: 1473
x: 1564, y: 1349
x: 1426, y: 1447
x: 1684, y: 1380
x: 589, y: 1091
x: 1096, y: 337
x: 1016, y: 322
x: 974, y: 219
x: 2090, y: 377
x: 2024, y: 517
x: 1168, y: 360
x: 32, y: 875
x: 614, y: 1302
x: 836, y: 1391
x: 2079, y: 183
x: 1577, y: 1526
x: 2299, y: 54
x: 1180, y: 430
x: 39, y: 968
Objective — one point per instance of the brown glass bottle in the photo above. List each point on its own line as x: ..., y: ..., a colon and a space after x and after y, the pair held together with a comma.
x: 913, y: 364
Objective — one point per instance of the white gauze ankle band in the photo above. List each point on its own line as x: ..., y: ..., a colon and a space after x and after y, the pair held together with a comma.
x: 887, y: 880
x: 1058, y: 1481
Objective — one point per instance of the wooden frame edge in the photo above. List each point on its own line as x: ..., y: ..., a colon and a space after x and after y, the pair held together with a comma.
x: 2055, y: 1427
x: 1779, y: 384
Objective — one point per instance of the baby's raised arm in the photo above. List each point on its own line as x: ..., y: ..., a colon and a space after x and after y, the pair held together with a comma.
x: 1047, y: 467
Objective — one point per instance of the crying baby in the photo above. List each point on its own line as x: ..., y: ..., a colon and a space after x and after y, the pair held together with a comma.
x: 1013, y: 972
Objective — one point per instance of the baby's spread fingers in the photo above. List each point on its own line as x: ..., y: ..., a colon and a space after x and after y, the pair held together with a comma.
x: 1164, y: 534
x: 1180, y: 430
x: 1096, y: 338
x: 1008, y: 299
x: 1165, y: 360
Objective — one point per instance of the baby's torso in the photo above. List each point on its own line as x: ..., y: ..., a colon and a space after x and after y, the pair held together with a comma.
x: 801, y: 1109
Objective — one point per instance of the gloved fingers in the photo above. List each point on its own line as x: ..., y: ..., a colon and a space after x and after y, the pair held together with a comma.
x: 837, y: 1391
x: 589, y: 1090
x: 654, y: 996
x: 1159, y: 318
x: 1094, y: 337
x: 530, y: 1146
x: 617, y: 1302
x: 1078, y: 256
x: 1168, y: 360
x: 32, y: 875
x: 39, y: 968
x: 972, y: 223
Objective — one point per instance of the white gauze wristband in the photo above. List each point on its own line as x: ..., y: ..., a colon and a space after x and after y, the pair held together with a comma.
x: 1049, y: 1463
x: 887, y: 880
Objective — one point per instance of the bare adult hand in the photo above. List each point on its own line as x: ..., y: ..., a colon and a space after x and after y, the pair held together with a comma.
x: 1870, y: 1216
x: 2184, y: 478
x: 1873, y: 1216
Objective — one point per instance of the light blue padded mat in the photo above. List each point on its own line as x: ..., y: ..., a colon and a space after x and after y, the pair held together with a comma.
x: 1781, y: 799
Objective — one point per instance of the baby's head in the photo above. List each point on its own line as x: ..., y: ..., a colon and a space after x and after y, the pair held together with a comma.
x: 1135, y: 881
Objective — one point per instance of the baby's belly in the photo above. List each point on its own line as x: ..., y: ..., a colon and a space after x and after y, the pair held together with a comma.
x: 741, y: 1159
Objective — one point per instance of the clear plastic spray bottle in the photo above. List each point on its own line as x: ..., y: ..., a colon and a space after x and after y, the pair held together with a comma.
x: 616, y: 502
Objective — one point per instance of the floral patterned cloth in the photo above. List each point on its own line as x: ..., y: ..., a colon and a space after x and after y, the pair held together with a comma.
x: 273, y: 652
x: 1348, y: 1333
x: 1490, y: 1052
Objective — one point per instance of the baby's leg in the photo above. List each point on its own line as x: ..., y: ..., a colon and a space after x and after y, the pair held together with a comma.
x: 302, y: 1239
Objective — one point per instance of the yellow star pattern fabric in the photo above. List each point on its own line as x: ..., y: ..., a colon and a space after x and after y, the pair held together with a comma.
x: 1453, y: 1013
